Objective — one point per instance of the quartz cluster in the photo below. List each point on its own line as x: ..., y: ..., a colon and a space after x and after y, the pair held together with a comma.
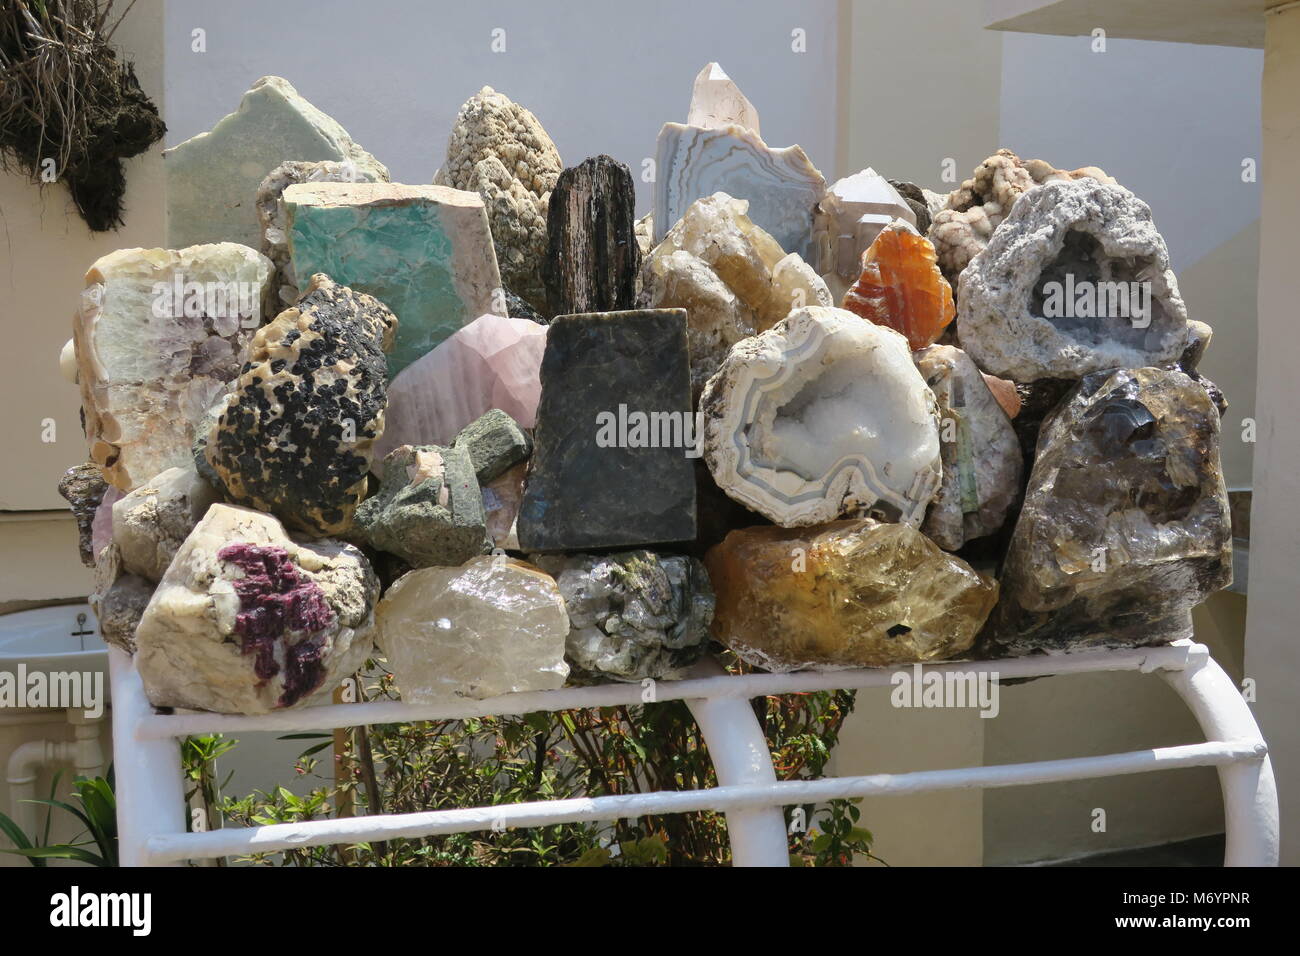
x: 503, y: 434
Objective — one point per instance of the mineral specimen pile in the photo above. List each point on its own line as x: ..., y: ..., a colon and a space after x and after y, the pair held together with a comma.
x: 428, y: 510
x: 592, y: 256
x: 499, y: 150
x: 1075, y: 280
x: 159, y: 335
x: 900, y: 286
x: 610, y: 466
x: 979, y: 449
x: 213, y: 178
x: 494, y: 362
x: 849, y: 217
x: 247, y: 620
x: 490, y: 627
x: 423, y: 251
x: 632, y: 615
x: 845, y: 594
x: 823, y: 416
x: 1125, y: 525
x: 693, y: 161
x: 731, y: 277
x: 295, y: 437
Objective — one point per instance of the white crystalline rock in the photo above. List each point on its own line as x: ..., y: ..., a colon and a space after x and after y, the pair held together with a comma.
x: 823, y: 416
x: 716, y: 101
x: 190, y: 652
x: 491, y: 626
x: 732, y: 278
x: 153, y: 521
x: 151, y: 362
x: 850, y: 216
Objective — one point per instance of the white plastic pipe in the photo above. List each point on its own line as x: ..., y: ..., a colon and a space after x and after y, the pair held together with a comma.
x: 28, y: 759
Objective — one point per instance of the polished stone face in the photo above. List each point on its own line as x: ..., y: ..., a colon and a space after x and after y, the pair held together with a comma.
x: 853, y: 593
x: 604, y: 473
x: 1125, y: 525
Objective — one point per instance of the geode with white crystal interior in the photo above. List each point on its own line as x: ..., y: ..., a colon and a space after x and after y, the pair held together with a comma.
x: 248, y: 620
x: 823, y: 416
x: 1125, y: 526
x: 1076, y: 279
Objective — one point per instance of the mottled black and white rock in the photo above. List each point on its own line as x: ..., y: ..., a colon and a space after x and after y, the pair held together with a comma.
x: 428, y: 510
x: 296, y: 434
x: 1125, y: 525
x: 592, y: 254
x: 84, y: 486
x: 632, y: 615
x: 494, y: 442
x: 610, y: 465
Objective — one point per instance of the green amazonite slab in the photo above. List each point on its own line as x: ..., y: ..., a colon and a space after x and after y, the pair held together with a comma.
x: 423, y: 251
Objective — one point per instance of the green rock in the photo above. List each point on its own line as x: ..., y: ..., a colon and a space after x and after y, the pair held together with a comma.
x: 494, y: 441
x: 424, y: 251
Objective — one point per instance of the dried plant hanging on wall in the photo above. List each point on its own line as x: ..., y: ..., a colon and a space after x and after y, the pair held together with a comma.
x: 70, y: 110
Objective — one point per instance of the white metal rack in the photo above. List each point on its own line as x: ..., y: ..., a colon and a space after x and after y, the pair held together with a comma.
x: 151, y: 822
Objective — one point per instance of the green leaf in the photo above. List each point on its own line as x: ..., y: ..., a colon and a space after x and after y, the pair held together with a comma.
x: 64, y: 851
x: 596, y: 856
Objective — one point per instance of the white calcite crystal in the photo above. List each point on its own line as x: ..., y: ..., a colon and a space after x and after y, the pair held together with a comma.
x: 213, y: 178
x: 248, y: 620
x: 850, y: 216
x: 153, y: 521
x: 159, y: 334
x: 716, y: 101
x: 1075, y: 280
x: 782, y: 185
x: 732, y: 278
x: 981, y: 454
x: 492, y: 626
x: 823, y: 416
x: 499, y: 150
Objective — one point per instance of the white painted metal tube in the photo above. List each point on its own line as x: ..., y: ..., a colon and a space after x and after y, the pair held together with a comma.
x: 175, y: 846
x: 1250, y: 806
x: 741, y: 755
x: 154, y: 727
x: 149, y: 786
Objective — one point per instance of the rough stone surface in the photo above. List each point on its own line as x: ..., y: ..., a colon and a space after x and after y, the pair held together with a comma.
x: 296, y: 435
x: 916, y: 201
x: 423, y: 251
x: 213, y: 178
x: 632, y: 615
x: 732, y: 278
x: 273, y: 219
x: 716, y: 102
x: 596, y: 479
x: 246, y: 620
x: 151, y: 362
x: 428, y: 510
x: 1062, y: 236
x: 119, y: 599
x: 494, y: 362
x: 820, y: 417
x: 499, y: 150
x: 850, y: 216
x: 153, y: 521
x: 592, y: 255
x: 1125, y: 525
x: 83, y: 486
x: 502, y: 497
x: 973, y: 210
x: 494, y: 442
x: 979, y: 449
x: 845, y: 594
x: 517, y: 308
x: 1198, y: 340
x: 490, y: 627
x: 900, y: 286
x: 782, y: 186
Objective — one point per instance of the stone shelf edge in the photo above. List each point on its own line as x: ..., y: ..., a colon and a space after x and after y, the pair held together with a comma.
x: 151, y: 823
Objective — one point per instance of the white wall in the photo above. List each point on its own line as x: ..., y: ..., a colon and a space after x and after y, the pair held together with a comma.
x: 601, y: 77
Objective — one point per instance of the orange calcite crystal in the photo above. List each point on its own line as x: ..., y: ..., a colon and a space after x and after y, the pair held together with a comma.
x: 901, y: 287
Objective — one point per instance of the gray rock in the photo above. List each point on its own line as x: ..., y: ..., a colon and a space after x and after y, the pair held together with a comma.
x: 1062, y: 242
x: 153, y: 521
x: 632, y: 615
x: 84, y: 486
x: 494, y: 442
x: 428, y: 510
x: 119, y: 599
